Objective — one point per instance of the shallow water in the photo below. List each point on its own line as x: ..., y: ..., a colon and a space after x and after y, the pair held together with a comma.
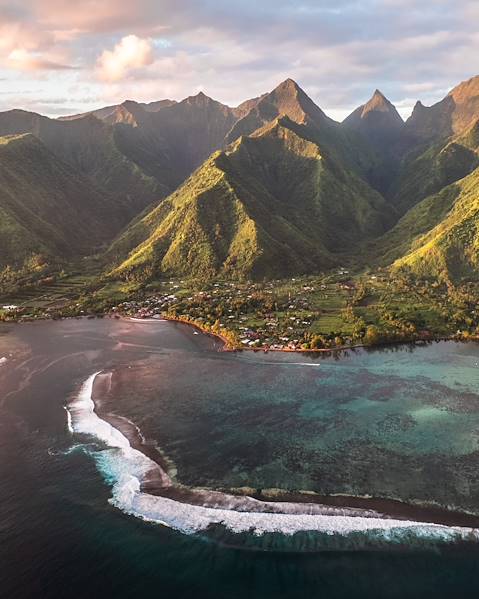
x: 387, y: 423
x: 391, y: 423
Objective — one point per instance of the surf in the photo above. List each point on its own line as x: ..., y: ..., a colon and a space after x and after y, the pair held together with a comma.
x: 125, y: 468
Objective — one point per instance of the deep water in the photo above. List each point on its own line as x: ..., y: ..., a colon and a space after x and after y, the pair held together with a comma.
x: 391, y: 423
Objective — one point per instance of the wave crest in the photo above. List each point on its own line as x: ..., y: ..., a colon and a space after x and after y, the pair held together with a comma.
x: 126, y: 468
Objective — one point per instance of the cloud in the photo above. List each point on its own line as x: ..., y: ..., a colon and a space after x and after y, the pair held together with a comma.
x: 23, y: 60
x: 25, y: 47
x: 339, y: 51
x: 130, y: 54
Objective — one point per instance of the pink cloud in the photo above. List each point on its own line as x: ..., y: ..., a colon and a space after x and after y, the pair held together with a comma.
x: 26, y: 47
x: 24, y: 60
x: 98, y: 17
x: 130, y: 54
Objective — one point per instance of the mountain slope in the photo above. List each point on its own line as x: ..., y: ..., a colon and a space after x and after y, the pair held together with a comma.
x: 88, y: 145
x: 449, y: 250
x: 286, y: 99
x: 439, y: 165
x: 453, y: 115
x: 439, y: 237
x: 380, y: 126
x: 378, y: 121
x: 193, y: 129
x: 112, y: 114
x: 271, y: 205
x: 170, y: 143
x: 46, y: 206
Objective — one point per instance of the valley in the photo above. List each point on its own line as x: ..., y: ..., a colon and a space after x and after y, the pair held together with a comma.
x: 269, y: 224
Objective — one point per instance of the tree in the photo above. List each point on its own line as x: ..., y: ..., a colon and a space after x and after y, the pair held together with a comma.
x: 372, y: 335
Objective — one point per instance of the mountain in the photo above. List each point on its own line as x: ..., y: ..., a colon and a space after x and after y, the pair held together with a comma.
x: 426, y: 172
x: 439, y: 237
x: 436, y: 147
x: 270, y: 188
x: 426, y: 239
x: 453, y: 115
x: 380, y: 126
x: 168, y: 140
x: 272, y: 204
x: 107, y: 113
x: 286, y: 99
x: 47, y: 207
x: 89, y: 146
x: 437, y: 190
x: 378, y: 121
x: 188, y: 132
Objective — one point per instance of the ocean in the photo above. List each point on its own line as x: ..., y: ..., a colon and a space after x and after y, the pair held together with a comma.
x: 200, y: 473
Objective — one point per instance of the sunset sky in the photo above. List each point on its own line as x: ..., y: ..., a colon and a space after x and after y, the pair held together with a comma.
x: 60, y: 56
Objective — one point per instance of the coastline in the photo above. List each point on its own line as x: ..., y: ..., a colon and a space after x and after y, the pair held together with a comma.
x: 228, y: 347
x: 163, y: 484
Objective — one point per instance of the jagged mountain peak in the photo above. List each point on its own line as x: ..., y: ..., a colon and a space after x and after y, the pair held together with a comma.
x: 377, y: 104
x: 377, y: 121
x: 199, y: 99
x: 380, y: 126
x: 288, y: 85
x: 288, y: 99
x: 380, y: 103
x: 288, y: 91
x: 452, y: 115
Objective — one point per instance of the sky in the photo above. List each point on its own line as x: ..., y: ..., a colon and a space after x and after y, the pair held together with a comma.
x: 62, y: 57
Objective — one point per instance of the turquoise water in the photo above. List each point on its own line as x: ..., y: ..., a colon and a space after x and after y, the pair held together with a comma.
x: 393, y: 423
x: 389, y: 423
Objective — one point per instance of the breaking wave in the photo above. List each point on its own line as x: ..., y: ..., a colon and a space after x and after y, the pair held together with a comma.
x: 126, y: 468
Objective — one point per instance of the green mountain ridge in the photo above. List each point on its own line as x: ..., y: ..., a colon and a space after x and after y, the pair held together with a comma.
x: 270, y: 188
x: 439, y: 165
x: 46, y: 207
x: 416, y: 181
x: 261, y: 208
x: 448, y: 246
x: 88, y: 145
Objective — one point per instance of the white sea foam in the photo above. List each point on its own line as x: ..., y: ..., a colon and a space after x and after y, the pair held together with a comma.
x: 69, y: 421
x: 85, y: 421
x: 125, y: 468
x: 3, y: 361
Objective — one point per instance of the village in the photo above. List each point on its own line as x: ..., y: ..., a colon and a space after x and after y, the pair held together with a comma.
x: 333, y: 310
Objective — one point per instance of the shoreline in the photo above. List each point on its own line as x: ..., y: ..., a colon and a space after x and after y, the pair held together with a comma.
x: 227, y: 347
x: 385, y: 508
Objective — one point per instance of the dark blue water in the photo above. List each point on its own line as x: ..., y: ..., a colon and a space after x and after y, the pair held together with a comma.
x: 59, y: 536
